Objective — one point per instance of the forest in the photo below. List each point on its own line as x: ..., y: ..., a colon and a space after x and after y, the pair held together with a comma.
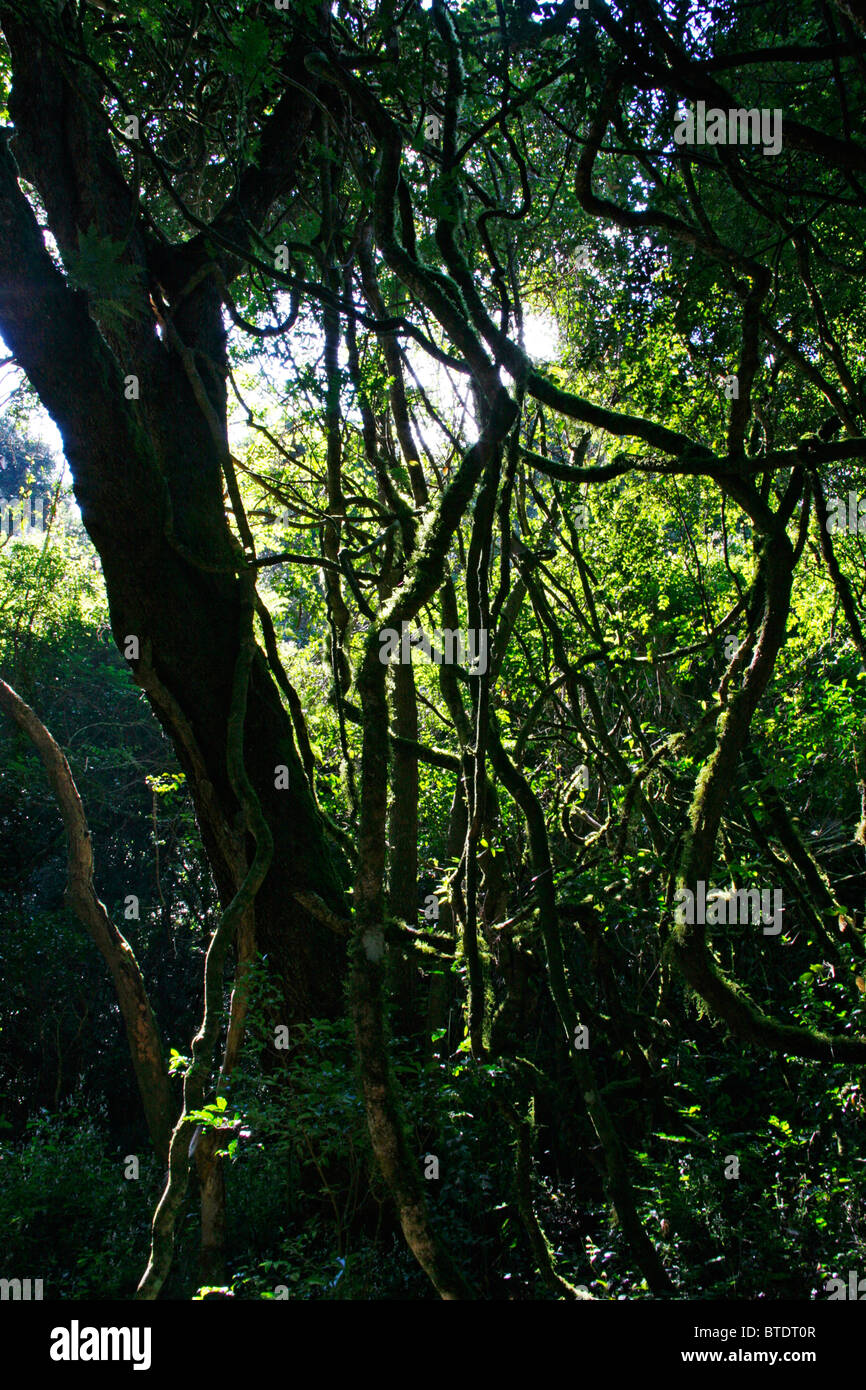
x: 432, y: 651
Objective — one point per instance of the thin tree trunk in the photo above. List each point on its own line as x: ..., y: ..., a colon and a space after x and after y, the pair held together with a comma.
x: 141, y: 1030
x: 210, y: 1153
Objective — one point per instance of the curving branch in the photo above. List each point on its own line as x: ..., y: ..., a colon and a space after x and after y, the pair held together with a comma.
x: 142, y: 1033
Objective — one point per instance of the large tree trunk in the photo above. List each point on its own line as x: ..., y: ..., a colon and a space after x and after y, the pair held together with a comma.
x: 148, y: 477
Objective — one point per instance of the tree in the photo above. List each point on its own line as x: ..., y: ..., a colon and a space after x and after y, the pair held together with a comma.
x: 22, y: 460
x: 192, y: 168
x: 144, y: 1042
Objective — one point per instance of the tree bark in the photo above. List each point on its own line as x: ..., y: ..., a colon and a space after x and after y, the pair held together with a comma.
x: 147, y: 478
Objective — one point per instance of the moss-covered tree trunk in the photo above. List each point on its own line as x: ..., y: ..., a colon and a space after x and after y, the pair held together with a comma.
x: 142, y: 417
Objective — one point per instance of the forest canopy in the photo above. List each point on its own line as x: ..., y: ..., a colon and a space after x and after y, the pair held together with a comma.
x: 432, y: 708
